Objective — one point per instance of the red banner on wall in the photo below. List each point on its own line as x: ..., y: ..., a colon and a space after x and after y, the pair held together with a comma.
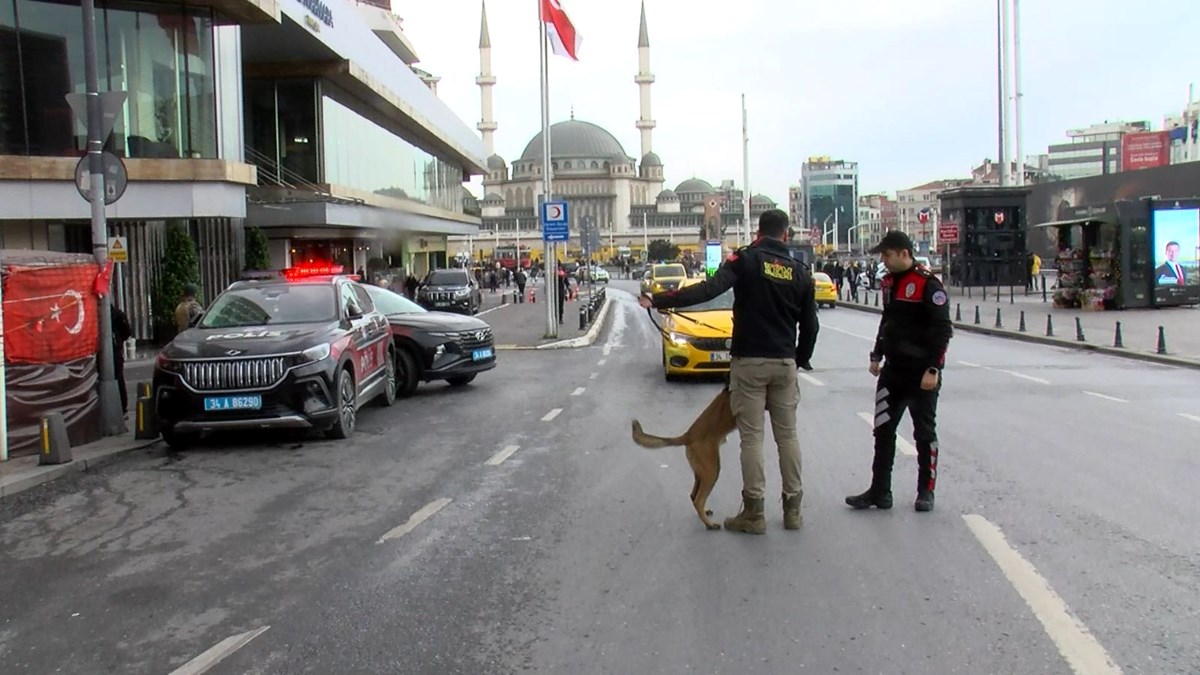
x: 50, y: 313
x: 1145, y: 150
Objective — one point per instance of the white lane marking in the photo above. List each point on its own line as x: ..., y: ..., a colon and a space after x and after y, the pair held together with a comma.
x: 593, y: 376
x: 504, y: 454
x: 1020, y: 375
x: 415, y: 519
x: 1106, y: 397
x: 491, y: 310
x: 846, y: 332
x: 602, y: 362
x: 551, y: 415
x: 902, y: 443
x: 579, y: 391
x: 1074, y: 641
x: 968, y: 364
x: 218, y: 652
x: 607, y: 349
x: 811, y: 380
x: 1186, y: 416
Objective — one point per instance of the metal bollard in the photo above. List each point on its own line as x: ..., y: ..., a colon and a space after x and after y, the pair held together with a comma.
x: 999, y: 323
x: 877, y: 298
x: 146, y: 422
x: 1011, y: 299
x: 957, y: 312
x: 1162, y: 341
x: 1078, y: 330
x: 1043, y: 289
x: 56, y: 444
x: 143, y: 389
x: 976, y: 315
x: 504, y: 298
x: 1021, y: 326
x: 582, y: 318
x: 1049, y: 325
x: 1117, y: 340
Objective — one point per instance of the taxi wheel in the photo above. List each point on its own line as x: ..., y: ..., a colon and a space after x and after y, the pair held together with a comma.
x: 347, y: 407
x: 390, y: 383
x: 406, y: 373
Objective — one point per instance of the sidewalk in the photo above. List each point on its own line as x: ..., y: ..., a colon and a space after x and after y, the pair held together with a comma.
x: 523, y: 325
x: 22, y: 473
x: 1139, y: 327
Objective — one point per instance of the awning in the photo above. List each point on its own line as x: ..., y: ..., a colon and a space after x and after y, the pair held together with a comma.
x: 1078, y: 221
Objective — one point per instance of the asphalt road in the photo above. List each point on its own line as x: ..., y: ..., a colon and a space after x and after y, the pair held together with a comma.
x: 1064, y: 538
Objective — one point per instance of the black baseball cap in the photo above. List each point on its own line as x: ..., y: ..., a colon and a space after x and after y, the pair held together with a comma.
x: 894, y: 240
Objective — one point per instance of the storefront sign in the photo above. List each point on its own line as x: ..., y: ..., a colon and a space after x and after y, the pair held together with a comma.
x: 948, y: 233
x: 320, y: 10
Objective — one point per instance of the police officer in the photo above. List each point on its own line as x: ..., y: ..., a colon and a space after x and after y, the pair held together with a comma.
x: 773, y: 296
x: 914, y: 332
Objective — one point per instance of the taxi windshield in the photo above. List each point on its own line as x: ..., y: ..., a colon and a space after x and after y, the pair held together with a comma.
x: 669, y: 271
x: 272, y: 305
x: 723, y: 301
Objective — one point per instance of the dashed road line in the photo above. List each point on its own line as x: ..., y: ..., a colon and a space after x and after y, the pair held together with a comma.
x: 811, y: 380
x: 415, y: 519
x: 1186, y: 416
x: 498, y: 458
x: 218, y: 652
x: 593, y: 376
x: 607, y: 349
x: 1075, y: 642
x: 902, y: 443
x: 846, y: 332
x: 1023, y: 376
x: 968, y: 364
x: 551, y: 415
x: 579, y: 391
x: 1106, y: 397
x: 602, y: 362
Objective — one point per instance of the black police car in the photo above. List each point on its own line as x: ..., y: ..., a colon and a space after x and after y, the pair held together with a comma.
x: 302, y: 353
x: 433, y: 345
x: 451, y: 290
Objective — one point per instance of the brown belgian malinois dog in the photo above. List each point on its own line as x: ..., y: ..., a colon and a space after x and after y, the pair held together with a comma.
x: 703, y: 442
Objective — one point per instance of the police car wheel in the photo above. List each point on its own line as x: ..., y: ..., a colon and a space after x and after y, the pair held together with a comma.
x: 343, y: 428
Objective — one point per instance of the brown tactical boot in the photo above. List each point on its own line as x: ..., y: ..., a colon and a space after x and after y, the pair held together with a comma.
x: 792, y: 519
x: 750, y: 519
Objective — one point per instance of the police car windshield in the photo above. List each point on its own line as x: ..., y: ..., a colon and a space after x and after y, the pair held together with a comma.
x: 272, y: 305
x: 722, y: 301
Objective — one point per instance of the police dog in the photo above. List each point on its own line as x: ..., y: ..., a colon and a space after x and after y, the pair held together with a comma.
x: 703, y: 442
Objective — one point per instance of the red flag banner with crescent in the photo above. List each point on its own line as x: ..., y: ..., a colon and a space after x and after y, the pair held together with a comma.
x: 50, y: 313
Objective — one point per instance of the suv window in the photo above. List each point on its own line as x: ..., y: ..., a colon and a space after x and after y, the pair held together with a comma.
x: 350, y: 304
x: 447, y: 278
x: 364, y: 300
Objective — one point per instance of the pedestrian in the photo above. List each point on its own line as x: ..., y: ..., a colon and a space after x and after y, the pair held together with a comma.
x: 773, y: 303
x: 914, y: 332
x: 564, y: 289
x: 410, y: 285
x: 519, y: 277
x: 121, y: 332
x: 188, y: 309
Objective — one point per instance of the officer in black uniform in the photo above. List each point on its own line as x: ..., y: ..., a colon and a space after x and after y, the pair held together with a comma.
x: 914, y: 331
x: 773, y: 303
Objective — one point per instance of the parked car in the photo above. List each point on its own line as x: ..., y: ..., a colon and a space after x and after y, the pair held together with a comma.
x: 432, y: 346
x: 450, y: 290
x: 301, y: 353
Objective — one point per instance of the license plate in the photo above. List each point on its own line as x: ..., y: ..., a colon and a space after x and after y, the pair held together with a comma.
x: 481, y: 354
x: 718, y: 356
x: 441, y: 303
x: 218, y: 403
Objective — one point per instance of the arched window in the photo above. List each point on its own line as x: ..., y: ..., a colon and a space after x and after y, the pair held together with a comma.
x: 528, y: 197
x: 554, y: 166
x: 508, y: 198
x: 606, y: 165
x: 567, y: 165
x: 595, y: 165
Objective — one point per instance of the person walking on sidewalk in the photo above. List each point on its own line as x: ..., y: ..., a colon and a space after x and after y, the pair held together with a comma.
x: 914, y: 332
x: 519, y: 277
x: 773, y: 302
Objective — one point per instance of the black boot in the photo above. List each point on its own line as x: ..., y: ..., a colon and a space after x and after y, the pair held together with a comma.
x: 924, y: 500
x: 880, y: 499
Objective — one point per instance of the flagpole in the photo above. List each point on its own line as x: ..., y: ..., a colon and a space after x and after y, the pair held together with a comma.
x: 549, y: 247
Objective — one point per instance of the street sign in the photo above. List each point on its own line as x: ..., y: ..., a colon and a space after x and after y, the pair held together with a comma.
x: 118, y: 249
x: 948, y: 233
x: 111, y: 103
x: 923, y: 216
x: 116, y: 178
x: 554, y: 221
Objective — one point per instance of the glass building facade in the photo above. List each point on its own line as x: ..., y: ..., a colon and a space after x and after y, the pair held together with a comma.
x: 161, y: 55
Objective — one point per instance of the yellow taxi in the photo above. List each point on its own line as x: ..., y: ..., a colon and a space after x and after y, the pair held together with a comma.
x: 825, y: 290
x: 698, y: 338
x: 663, y: 277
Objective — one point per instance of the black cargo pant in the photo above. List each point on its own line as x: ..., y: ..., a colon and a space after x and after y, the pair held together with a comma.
x: 899, y: 388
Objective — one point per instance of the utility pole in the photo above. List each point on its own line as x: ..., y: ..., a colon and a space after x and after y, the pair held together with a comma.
x: 745, y: 176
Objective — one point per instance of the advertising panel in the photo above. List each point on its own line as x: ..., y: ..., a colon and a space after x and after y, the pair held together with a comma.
x: 1176, y: 256
x: 712, y: 257
x: 1145, y: 150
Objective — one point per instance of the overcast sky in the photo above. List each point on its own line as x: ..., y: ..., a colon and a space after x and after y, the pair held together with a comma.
x: 907, y: 88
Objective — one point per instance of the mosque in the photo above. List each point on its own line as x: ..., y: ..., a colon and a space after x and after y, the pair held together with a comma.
x: 624, y: 198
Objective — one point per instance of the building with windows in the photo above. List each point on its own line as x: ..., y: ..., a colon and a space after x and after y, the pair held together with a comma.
x: 923, y: 199
x: 1093, y: 151
x: 829, y: 196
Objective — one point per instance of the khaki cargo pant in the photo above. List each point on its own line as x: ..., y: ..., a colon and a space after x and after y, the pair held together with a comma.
x: 758, y: 385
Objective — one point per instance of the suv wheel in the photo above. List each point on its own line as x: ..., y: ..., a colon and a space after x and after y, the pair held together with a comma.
x: 347, y: 416
x: 390, y: 385
x: 407, y: 376
x: 461, y: 380
x: 177, y: 441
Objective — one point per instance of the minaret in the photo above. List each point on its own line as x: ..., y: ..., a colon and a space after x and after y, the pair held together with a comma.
x: 644, y: 79
x: 487, y: 126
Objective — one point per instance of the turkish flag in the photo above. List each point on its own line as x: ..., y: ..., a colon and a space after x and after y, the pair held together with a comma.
x: 50, y: 313
x: 564, y: 41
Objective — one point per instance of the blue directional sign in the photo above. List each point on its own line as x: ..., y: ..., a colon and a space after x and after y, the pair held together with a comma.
x: 554, y: 221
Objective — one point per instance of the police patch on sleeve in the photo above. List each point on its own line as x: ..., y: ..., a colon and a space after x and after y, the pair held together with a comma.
x: 939, y: 298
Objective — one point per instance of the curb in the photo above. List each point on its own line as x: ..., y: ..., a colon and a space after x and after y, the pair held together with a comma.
x: 1053, y: 342
x: 77, y: 466
x: 588, y: 338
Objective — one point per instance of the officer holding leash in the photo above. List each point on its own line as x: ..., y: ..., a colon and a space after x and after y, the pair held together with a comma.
x: 773, y: 297
x: 914, y: 331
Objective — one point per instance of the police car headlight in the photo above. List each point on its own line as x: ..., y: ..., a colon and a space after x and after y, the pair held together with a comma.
x: 315, y: 354
x: 678, y: 339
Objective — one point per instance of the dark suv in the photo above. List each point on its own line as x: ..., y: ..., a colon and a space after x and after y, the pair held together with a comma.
x: 450, y: 291
x: 299, y: 354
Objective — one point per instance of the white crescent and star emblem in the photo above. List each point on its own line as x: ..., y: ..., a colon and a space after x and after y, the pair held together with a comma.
x: 910, y: 290
x: 56, y: 312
